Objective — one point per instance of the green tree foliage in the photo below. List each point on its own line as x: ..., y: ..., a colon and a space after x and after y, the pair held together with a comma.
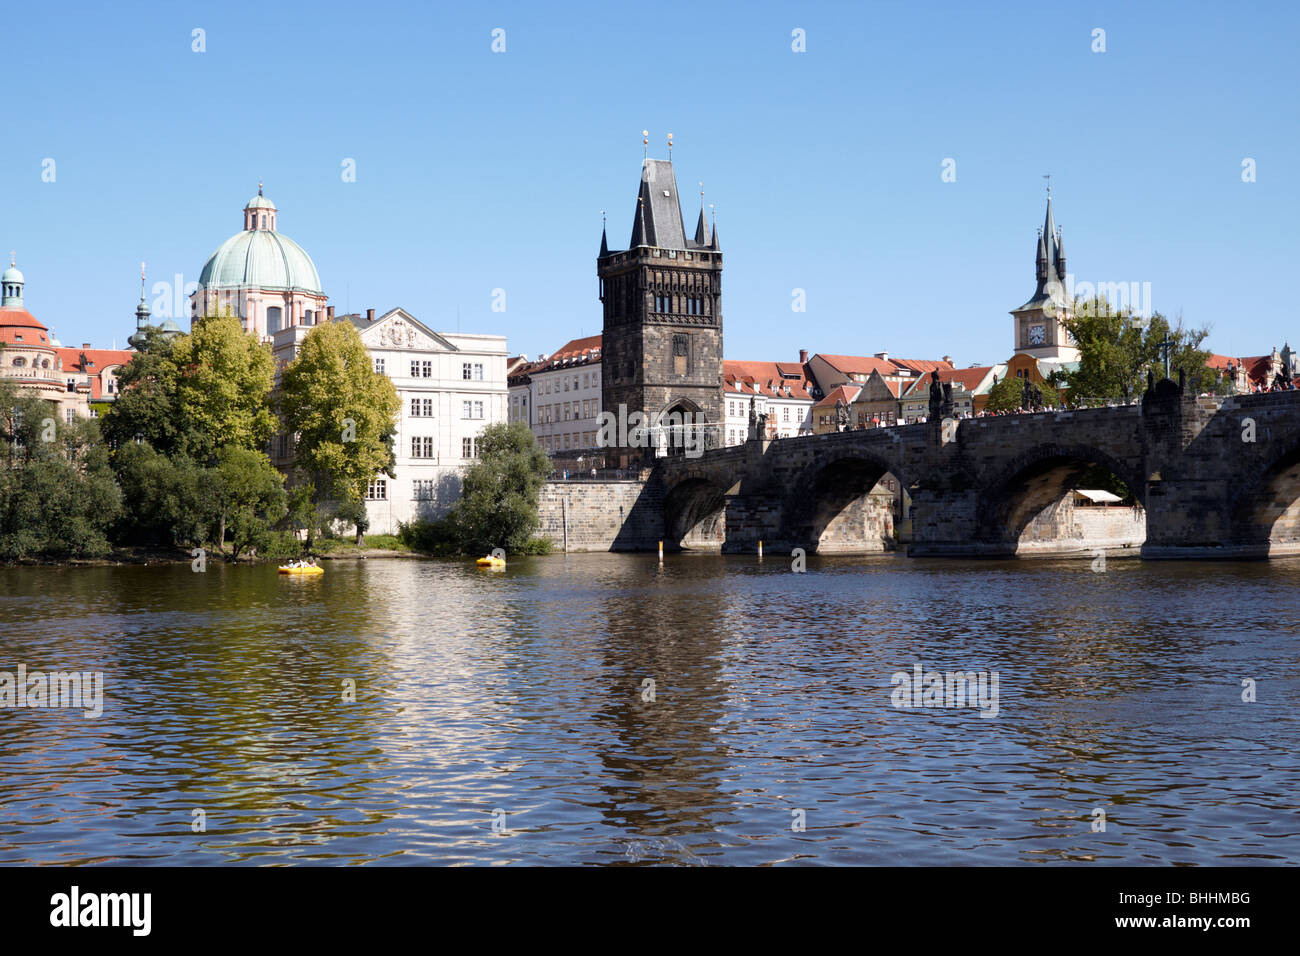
x: 1117, y: 349
x: 1005, y: 396
x: 57, y: 494
x: 164, y: 498
x: 500, y: 491
x: 196, y: 393
x: 248, y: 499
x: 223, y: 385
x: 146, y: 408
x: 341, y: 411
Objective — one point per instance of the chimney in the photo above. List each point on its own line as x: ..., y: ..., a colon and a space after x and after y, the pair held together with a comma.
x: 883, y: 356
x: 329, y: 313
x: 803, y: 356
x: 948, y: 359
x: 370, y: 315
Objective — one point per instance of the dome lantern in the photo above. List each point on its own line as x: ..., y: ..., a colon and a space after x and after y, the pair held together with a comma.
x: 259, y: 214
x: 11, y: 286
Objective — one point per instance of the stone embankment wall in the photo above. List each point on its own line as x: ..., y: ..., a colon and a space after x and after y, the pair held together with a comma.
x: 602, y: 515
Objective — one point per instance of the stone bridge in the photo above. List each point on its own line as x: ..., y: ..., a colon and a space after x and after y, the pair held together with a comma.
x: 1213, y: 478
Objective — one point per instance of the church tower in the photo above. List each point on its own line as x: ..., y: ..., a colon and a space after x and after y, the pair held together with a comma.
x: 1037, y: 324
x: 661, y: 349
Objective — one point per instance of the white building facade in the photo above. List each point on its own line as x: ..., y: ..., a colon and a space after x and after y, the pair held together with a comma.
x: 558, y: 396
x: 451, y: 387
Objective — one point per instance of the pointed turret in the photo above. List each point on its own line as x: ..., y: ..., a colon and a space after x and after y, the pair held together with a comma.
x: 713, y: 243
x: 604, y: 243
x: 639, y: 237
x: 1060, y: 255
x: 1040, y: 261
x: 701, y: 231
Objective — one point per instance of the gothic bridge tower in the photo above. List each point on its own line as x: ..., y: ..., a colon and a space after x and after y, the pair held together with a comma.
x: 661, y: 350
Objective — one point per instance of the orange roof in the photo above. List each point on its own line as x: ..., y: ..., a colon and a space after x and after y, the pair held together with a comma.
x: 16, y: 322
x: 100, y: 359
x: 1257, y: 366
x: 924, y: 366
x: 770, y: 377
x: 967, y: 378
x: 577, y: 348
x: 859, y: 364
x: 840, y: 393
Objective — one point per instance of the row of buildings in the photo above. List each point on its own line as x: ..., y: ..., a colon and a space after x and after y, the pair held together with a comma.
x: 660, y: 351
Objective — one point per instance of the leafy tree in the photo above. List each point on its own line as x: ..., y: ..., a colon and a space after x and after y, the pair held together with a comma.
x: 248, y: 499
x: 353, y: 512
x: 165, y: 500
x: 499, y: 495
x: 146, y: 408
x: 223, y: 386
x: 1007, y: 395
x: 57, y: 494
x: 1117, y: 349
x: 342, y: 412
x: 196, y: 393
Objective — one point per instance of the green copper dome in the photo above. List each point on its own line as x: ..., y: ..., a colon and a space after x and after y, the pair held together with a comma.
x: 11, y: 275
x: 260, y: 202
x: 261, y: 259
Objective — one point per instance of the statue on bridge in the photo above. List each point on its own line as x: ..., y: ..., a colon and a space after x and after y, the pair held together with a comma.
x: 936, y: 397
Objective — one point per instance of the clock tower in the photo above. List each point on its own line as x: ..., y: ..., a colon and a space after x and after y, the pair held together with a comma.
x: 1037, y: 326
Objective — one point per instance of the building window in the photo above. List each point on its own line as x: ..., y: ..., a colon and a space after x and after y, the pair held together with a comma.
x: 377, y: 490
x: 421, y: 408
x: 379, y: 366
x: 273, y: 319
x: 422, y: 489
x: 469, y: 448
x: 471, y: 409
x: 422, y: 447
x: 421, y: 369
x: 785, y: 414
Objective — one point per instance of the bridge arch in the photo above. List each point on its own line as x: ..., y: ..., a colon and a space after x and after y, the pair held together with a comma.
x: 1265, y: 509
x: 695, y: 512
x: 827, y: 506
x: 1026, y: 505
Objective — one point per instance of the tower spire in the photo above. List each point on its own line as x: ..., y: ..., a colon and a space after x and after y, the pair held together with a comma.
x: 701, y: 227
x: 604, y: 243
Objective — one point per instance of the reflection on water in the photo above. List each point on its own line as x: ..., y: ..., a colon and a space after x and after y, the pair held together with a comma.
x: 519, y: 698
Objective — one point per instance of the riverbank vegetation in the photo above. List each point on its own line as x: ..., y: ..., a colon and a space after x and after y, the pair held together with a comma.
x: 179, y: 460
x: 498, y: 506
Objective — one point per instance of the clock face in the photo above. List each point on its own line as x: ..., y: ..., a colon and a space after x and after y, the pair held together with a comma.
x: 1037, y: 334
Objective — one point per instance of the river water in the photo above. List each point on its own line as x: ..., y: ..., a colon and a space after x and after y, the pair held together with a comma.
x: 505, y: 717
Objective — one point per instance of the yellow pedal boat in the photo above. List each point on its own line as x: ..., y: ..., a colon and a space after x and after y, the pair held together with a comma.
x: 307, y: 570
x: 491, y: 562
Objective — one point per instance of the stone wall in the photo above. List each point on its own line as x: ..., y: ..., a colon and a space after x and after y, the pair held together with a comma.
x: 602, y: 515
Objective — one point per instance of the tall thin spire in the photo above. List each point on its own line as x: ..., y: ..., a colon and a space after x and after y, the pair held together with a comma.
x: 701, y: 227
x: 604, y: 243
x: 713, y: 244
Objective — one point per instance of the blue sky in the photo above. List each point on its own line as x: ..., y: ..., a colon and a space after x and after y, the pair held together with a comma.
x: 478, y: 170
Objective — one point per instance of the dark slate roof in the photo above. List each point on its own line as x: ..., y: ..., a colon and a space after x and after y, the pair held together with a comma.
x: 658, y: 218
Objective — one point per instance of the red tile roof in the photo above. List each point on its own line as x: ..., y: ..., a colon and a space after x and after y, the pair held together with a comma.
x: 967, y: 378
x: 840, y: 393
x: 16, y: 322
x: 577, y: 348
x: 859, y: 364
x: 770, y: 377
x: 923, y: 366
